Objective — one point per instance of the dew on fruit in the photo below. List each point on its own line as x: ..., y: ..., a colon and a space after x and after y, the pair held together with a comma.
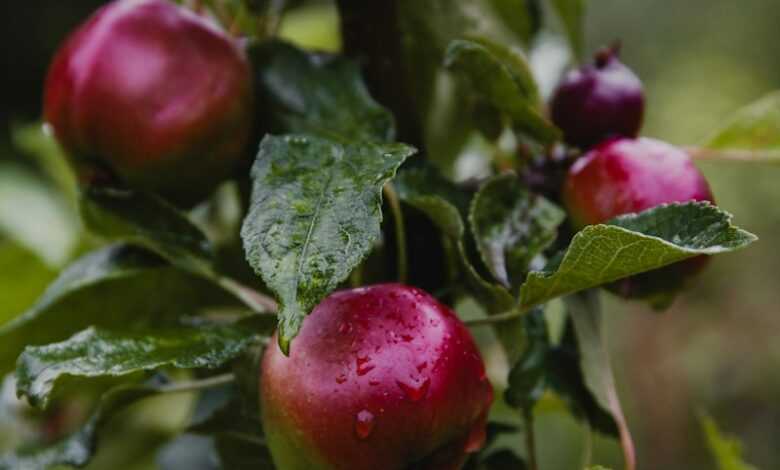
x: 416, y: 390
x: 341, y: 378
x: 345, y: 328
x: 364, y: 365
x: 364, y: 424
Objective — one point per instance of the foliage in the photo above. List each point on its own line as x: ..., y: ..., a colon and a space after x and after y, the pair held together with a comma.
x: 147, y: 294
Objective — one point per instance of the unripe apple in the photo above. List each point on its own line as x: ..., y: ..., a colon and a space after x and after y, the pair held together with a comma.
x: 599, y: 100
x: 153, y: 94
x: 379, y: 378
x: 622, y: 176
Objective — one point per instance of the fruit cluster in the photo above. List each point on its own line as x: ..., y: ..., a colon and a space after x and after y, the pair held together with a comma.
x: 152, y: 96
x: 599, y: 107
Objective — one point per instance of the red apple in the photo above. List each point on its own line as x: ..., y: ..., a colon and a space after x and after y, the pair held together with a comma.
x: 154, y: 94
x: 622, y: 176
x: 379, y: 378
x: 599, y: 100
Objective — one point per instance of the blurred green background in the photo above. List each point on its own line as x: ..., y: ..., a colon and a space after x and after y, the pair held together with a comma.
x: 716, y: 350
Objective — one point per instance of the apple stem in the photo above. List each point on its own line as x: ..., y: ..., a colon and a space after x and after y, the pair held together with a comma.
x: 400, y: 231
x: 530, y: 438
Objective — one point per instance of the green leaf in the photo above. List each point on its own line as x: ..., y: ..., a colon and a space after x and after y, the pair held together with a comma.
x: 35, y: 216
x: 572, y: 15
x: 501, y: 77
x: 117, y: 286
x: 20, y: 286
x: 37, y: 141
x: 636, y: 243
x: 512, y: 227
x: 585, y: 310
x: 447, y: 206
x: 77, y: 449
x: 317, y: 94
x: 146, y: 220
x: 527, y: 377
x: 726, y: 450
x: 547, y: 366
x: 753, y: 134
x: 315, y: 215
x: 42, y: 370
x: 523, y: 17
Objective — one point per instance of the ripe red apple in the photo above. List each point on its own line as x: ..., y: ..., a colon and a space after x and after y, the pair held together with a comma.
x: 599, y: 100
x: 379, y: 378
x: 154, y: 94
x: 621, y: 176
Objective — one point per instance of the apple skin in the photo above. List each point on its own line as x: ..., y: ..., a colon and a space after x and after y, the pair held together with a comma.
x: 599, y: 100
x: 379, y: 378
x: 623, y: 176
x: 153, y: 94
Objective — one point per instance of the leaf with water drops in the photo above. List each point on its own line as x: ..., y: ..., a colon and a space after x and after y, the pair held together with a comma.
x: 43, y: 370
x: 633, y: 244
x: 512, y: 227
x: 146, y: 220
x: 117, y: 286
x: 314, y: 216
x: 317, y: 94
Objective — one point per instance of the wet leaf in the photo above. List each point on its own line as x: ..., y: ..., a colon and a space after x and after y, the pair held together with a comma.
x: 43, y: 370
x: 512, y: 227
x: 117, y: 286
x: 315, y: 215
x: 635, y: 243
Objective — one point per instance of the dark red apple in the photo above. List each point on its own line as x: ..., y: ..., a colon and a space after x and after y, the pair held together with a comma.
x: 599, y: 100
x: 154, y: 94
x: 622, y: 176
x: 379, y: 378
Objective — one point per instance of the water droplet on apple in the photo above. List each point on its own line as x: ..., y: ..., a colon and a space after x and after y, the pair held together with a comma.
x: 363, y: 365
x: 416, y: 390
x: 364, y: 424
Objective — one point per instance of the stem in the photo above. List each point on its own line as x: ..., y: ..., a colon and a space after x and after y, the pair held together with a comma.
x: 498, y: 318
x: 530, y: 439
x: 195, y: 385
x: 274, y: 17
x: 258, y: 302
x: 704, y: 154
x: 356, y: 278
x: 400, y: 231
x: 587, y: 448
x: 197, y: 6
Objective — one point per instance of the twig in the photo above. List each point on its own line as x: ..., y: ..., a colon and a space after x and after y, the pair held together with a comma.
x: 258, y: 302
x: 530, y: 439
x: 195, y: 385
x: 400, y: 231
x: 705, y: 154
x: 498, y: 318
